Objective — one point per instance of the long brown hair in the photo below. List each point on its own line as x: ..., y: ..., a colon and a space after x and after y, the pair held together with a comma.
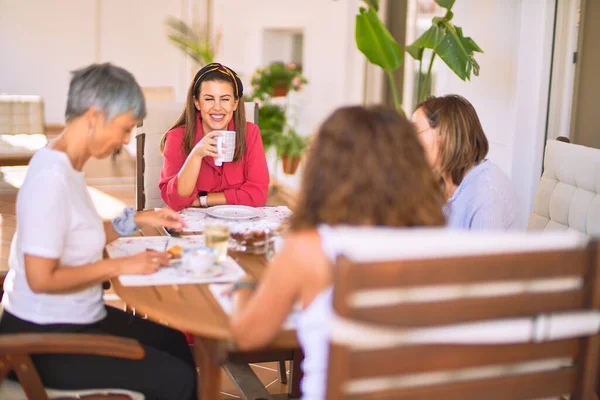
x: 211, y: 72
x: 462, y: 140
x: 366, y: 167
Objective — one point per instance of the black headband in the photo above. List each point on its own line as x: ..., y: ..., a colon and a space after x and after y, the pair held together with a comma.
x: 216, y: 67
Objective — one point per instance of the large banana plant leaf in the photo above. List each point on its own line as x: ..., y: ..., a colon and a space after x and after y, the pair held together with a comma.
x: 375, y: 41
x: 457, y: 51
x: 428, y: 40
x: 448, y: 41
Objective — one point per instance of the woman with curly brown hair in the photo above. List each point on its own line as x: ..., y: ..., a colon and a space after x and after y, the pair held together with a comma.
x: 365, y: 168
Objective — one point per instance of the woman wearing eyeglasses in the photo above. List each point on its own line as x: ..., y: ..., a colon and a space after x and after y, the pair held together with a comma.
x: 479, y: 195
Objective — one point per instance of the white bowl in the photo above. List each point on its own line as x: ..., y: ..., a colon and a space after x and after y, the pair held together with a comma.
x: 198, y: 258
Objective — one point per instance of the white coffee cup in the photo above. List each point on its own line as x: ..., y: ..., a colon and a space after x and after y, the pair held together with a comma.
x: 227, y: 137
x: 198, y: 258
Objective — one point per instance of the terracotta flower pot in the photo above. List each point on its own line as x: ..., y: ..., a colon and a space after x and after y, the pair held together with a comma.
x: 290, y: 164
x: 280, y: 91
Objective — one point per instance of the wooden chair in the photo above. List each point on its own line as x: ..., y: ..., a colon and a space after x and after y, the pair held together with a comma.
x: 515, y: 323
x: 16, y: 351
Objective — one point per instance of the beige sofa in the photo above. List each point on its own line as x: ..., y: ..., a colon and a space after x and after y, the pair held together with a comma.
x: 568, y: 195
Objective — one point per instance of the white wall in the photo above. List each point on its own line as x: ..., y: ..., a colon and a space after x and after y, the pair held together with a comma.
x: 510, y: 94
x: 42, y: 41
x: 331, y: 62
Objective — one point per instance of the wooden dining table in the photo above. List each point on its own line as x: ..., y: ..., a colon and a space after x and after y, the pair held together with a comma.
x: 192, y: 308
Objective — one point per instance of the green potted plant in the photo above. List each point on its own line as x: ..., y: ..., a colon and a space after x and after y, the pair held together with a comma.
x: 276, y: 80
x: 443, y: 38
x: 271, y: 121
x: 290, y: 148
x: 192, y: 40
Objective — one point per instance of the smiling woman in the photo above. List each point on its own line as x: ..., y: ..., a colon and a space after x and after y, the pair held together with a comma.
x: 190, y: 177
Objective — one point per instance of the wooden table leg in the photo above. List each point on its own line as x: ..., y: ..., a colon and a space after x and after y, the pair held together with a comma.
x: 209, y: 377
x: 295, y: 375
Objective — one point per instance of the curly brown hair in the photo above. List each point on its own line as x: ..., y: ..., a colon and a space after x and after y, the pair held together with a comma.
x: 366, y: 167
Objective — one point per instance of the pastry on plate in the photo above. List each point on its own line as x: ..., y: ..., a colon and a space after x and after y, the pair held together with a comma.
x: 175, y: 251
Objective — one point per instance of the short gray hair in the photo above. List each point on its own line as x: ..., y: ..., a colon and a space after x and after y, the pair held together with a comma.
x: 109, y: 88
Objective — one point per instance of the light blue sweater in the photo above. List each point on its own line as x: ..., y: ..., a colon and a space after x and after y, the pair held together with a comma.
x: 485, y: 199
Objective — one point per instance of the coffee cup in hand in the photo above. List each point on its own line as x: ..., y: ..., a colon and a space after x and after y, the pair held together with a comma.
x: 225, y: 155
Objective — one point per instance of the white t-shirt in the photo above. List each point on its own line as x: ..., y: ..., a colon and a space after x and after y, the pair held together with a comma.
x: 56, y: 218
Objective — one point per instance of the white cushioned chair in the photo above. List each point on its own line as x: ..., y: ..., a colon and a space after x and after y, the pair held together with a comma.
x: 568, y: 195
x: 21, y: 128
x: 161, y: 116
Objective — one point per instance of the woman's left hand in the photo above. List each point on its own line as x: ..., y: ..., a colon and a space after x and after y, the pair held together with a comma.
x: 163, y: 217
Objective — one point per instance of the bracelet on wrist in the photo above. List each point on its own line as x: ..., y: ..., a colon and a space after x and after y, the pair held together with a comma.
x: 243, y: 285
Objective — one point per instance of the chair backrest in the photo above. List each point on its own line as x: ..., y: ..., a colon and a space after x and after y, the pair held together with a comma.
x: 16, y: 351
x: 464, y: 316
x: 568, y: 196
x: 21, y: 115
x: 149, y: 160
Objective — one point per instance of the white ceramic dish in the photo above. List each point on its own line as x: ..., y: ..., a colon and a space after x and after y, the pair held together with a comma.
x: 233, y: 212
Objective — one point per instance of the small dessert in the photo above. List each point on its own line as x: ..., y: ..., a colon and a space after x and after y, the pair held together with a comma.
x: 250, y: 238
x: 175, y: 251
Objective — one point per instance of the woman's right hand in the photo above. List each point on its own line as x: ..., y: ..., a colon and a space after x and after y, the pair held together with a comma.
x: 145, y: 262
x: 207, y: 146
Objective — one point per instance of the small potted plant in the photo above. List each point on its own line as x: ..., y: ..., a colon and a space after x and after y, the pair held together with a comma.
x: 290, y: 148
x: 271, y: 121
x: 277, y: 79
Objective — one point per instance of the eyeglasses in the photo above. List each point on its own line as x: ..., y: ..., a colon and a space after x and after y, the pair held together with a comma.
x: 426, y: 129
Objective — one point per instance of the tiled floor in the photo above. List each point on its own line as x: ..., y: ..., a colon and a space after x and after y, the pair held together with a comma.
x: 112, y: 186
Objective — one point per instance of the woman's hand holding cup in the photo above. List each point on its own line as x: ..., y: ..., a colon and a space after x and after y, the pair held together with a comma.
x: 208, y: 145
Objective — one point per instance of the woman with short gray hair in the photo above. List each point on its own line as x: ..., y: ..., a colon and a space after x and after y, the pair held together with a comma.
x: 56, y: 267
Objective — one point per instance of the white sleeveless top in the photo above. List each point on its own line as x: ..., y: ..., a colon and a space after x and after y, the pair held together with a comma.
x: 313, y: 333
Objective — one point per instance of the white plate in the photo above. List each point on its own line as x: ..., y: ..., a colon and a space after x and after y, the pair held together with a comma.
x: 233, y: 212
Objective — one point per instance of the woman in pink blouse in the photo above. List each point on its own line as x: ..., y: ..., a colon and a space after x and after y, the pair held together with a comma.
x: 189, y: 177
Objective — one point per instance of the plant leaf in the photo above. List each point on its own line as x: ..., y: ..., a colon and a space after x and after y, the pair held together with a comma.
x: 191, y: 40
x: 374, y: 4
x: 427, y: 40
x: 375, y: 41
x: 447, y: 4
x: 452, y: 51
x: 475, y: 66
x: 470, y: 45
x: 415, y: 52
